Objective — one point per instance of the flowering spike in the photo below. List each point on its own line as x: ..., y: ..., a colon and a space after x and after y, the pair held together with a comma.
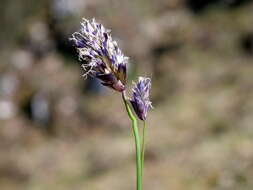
x: 101, y: 55
x: 140, y: 98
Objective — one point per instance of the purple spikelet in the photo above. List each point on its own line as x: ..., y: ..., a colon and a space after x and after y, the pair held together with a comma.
x: 100, y: 55
x: 140, y: 97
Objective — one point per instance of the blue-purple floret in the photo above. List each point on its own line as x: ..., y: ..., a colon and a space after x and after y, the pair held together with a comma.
x: 100, y: 55
x: 140, y: 97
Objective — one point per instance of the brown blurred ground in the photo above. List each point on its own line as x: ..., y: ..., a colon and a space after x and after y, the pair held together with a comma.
x: 59, y: 132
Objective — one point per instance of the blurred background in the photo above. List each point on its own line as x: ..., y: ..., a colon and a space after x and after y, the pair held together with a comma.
x: 60, y: 132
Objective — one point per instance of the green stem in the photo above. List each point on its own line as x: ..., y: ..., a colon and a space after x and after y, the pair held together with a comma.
x: 137, y: 142
x: 143, y: 146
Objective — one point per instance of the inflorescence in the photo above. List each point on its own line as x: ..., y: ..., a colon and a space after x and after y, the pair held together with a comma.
x: 140, y: 98
x: 101, y: 56
x: 102, y: 59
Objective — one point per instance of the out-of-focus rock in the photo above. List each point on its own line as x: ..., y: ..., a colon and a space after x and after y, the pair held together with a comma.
x: 40, y: 109
x: 7, y: 109
x: 40, y: 41
x: 22, y: 59
x: 170, y: 28
x: 64, y: 8
x: 8, y: 84
x: 67, y: 106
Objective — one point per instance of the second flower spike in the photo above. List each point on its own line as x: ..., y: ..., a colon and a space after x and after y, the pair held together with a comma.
x: 101, y: 56
x: 140, y: 97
